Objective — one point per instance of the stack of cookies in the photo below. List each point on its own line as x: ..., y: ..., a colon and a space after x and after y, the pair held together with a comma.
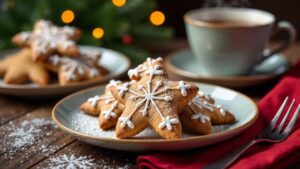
x: 49, y: 48
x: 151, y: 99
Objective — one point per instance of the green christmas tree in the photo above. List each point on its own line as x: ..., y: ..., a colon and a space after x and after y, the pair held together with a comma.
x: 118, y: 24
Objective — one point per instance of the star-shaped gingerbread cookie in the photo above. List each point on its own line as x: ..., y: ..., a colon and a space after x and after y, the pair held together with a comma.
x: 73, y: 70
x: 217, y: 113
x: 153, y: 100
x: 47, y: 39
x: 20, y: 68
x: 106, y: 106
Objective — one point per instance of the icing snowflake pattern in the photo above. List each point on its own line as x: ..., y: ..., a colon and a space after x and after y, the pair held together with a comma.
x: 183, y: 87
x: 114, y: 103
x: 48, y: 36
x: 148, y: 94
x: 203, y: 104
x: 91, y: 55
x: 73, y: 68
x: 109, y: 99
x: 147, y: 97
x: 113, y: 83
x: 93, y: 100
x: 71, y: 162
x: 149, y: 69
x: 122, y: 89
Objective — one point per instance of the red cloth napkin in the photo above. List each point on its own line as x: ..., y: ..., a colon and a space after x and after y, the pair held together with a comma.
x: 279, y: 155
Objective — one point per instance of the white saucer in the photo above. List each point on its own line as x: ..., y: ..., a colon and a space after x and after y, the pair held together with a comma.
x: 181, y: 65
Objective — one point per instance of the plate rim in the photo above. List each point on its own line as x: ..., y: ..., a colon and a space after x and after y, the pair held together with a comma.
x: 132, y: 140
x: 127, y: 63
x: 181, y: 72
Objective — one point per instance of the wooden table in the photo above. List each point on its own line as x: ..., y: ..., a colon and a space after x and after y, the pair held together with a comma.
x: 49, y: 142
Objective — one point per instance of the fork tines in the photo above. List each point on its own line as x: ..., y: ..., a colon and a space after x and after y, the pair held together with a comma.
x: 292, y: 121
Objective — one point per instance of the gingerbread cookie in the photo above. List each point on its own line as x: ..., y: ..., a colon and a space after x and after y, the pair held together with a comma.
x: 47, y: 39
x: 217, y: 113
x: 153, y: 100
x: 194, y: 120
x: 92, y: 106
x: 72, y: 70
x: 145, y: 68
x: 106, y: 105
x: 20, y: 68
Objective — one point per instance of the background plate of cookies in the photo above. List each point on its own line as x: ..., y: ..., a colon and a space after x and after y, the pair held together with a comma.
x: 113, y: 64
x: 151, y: 112
x: 51, y: 63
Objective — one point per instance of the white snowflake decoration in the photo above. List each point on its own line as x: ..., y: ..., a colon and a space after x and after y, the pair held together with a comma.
x: 113, y: 83
x: 92, y: 55
x: 147, y: 98
x: 122, y: 89
x: 93, y: 100
x: 48, y: 36
x: 222, y: 109
x: 201, y: 117
x: 72, y: 68
x: 203, y: 104
x: 25, y: 36
x: 125, y: 121
x: 109, y: 99
x: 72, y: 162
x: 149, y: 69
x: 167, y: 122
x: 183, y: 87
x: 109, y: 113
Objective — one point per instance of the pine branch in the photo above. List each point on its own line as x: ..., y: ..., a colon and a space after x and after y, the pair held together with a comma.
x: 136, y: 55
x: 150, y: 32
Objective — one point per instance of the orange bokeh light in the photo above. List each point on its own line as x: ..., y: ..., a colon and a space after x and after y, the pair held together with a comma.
x: 98, y: 33
x: 157, y: 18
x: 119, y: 3
x: 67, y: 16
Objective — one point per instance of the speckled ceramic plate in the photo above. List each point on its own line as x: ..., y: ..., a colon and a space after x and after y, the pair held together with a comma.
x: 115, y: 62
x: 67, y: 115
x: 181, y: 65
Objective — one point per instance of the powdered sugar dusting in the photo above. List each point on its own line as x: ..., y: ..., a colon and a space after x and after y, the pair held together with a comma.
x: 27, y: 137
x: 88, y: 124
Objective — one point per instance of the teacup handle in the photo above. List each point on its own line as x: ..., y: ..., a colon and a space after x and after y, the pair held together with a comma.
x: 290, y: 29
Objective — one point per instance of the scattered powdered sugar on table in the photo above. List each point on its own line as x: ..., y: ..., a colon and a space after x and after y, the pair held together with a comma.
x: 75, y: 161
x: 88, y: 124
x: 27, y: 136
x: 72, y: 162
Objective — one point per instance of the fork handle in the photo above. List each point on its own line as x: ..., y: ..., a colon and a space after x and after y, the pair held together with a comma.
x: 230, y: 158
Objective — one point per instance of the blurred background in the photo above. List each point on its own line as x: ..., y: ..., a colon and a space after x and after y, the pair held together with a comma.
x: 124, y: 25
x: 283, y: 10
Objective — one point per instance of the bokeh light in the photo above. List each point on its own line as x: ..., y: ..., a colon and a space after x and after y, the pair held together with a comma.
x: 67, y: 16
x: 119, y: 3
x: 157, y: 18
x: 98, y: 33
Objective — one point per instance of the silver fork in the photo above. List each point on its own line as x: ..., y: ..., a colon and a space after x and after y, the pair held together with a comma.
x: 271, y: 134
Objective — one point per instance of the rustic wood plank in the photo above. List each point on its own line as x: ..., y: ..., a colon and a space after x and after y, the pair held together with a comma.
x: 42, y: 139
x: 101, y: 158
x: 11, y: 108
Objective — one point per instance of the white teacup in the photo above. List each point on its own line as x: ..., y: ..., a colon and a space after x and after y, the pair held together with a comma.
x: 231, y: 41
